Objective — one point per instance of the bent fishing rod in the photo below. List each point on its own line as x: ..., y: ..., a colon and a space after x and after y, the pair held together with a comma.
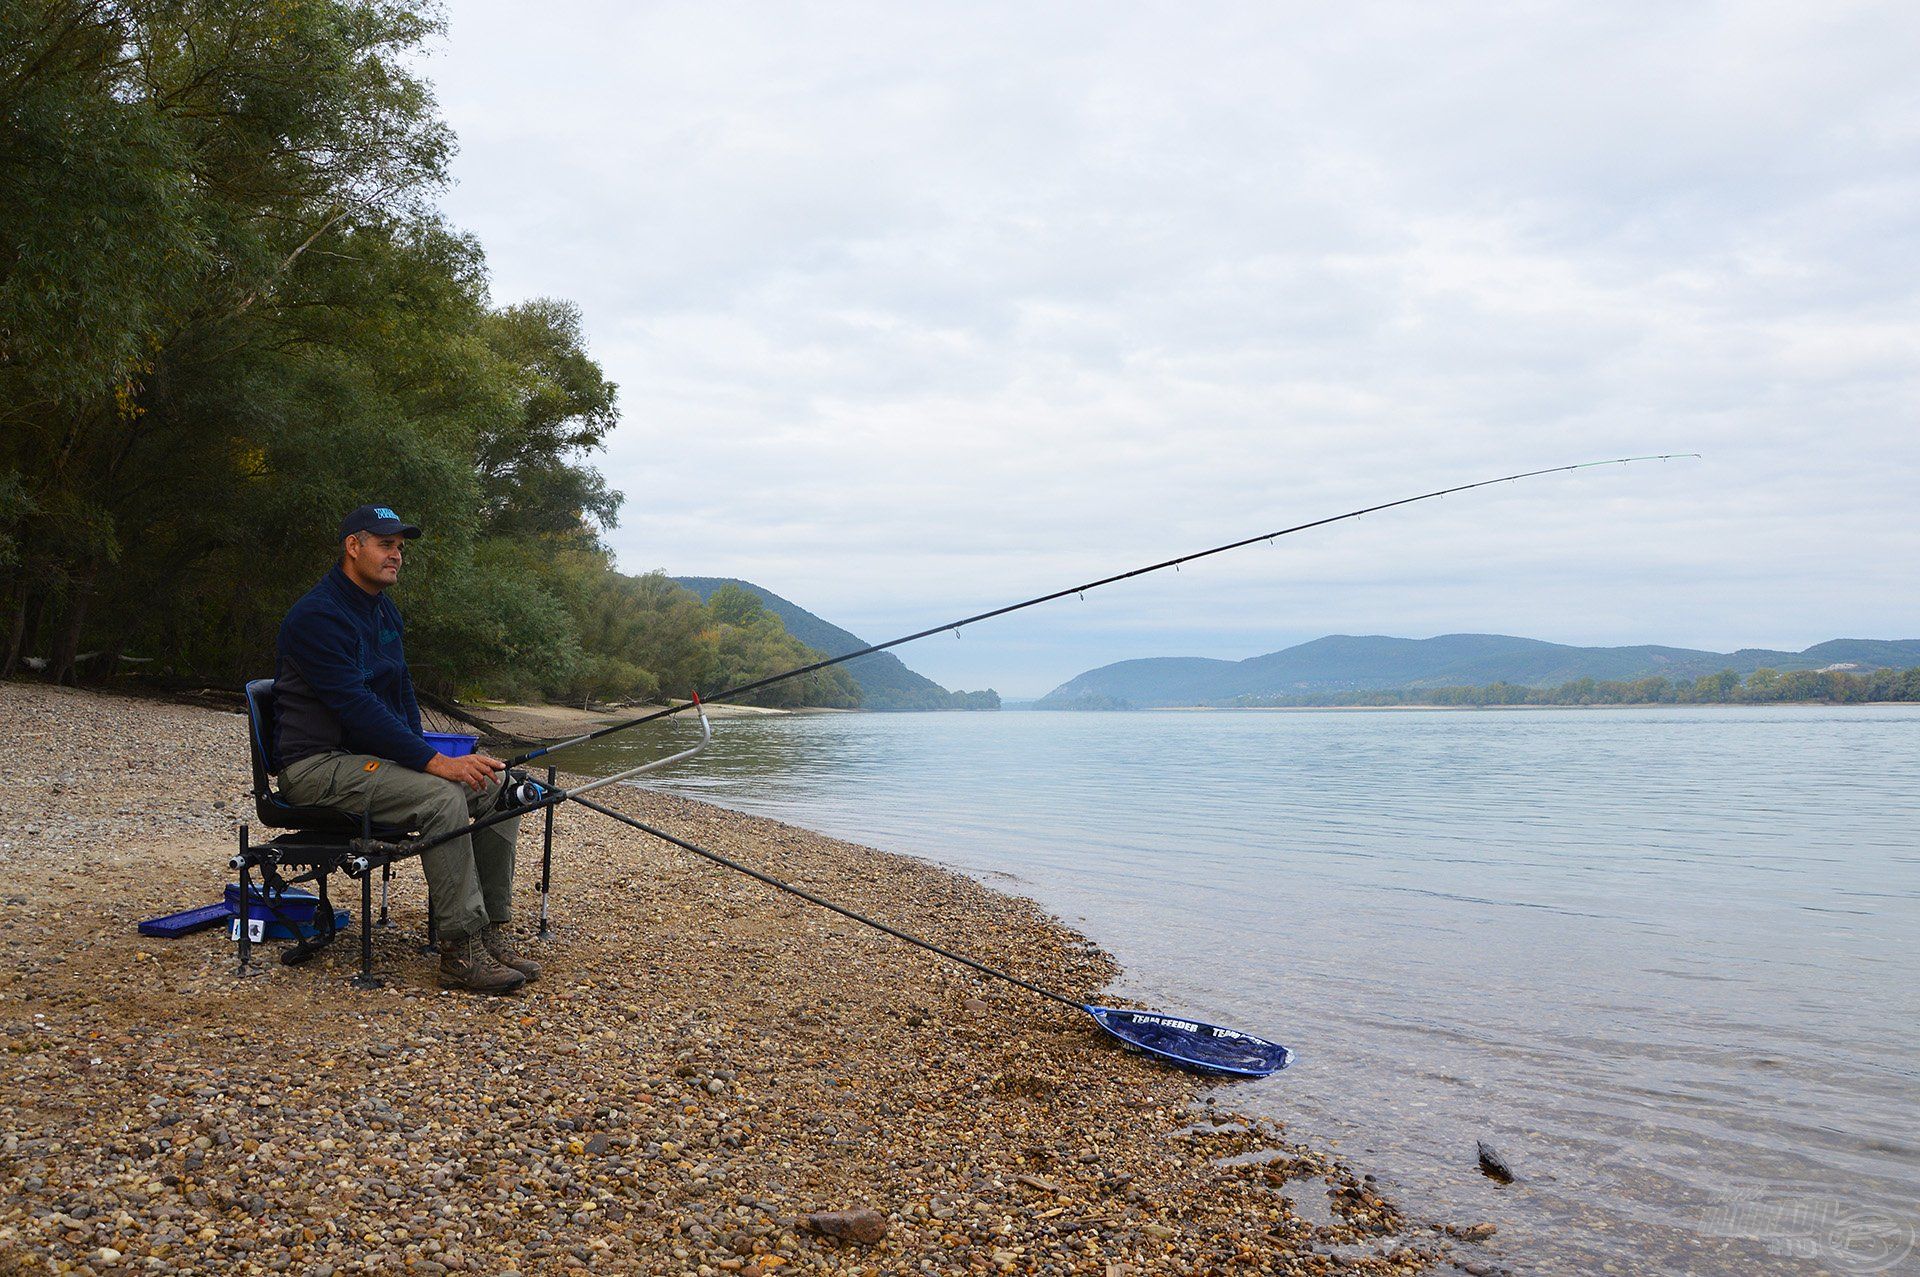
x: 534, y: 797
x: 955, y: 626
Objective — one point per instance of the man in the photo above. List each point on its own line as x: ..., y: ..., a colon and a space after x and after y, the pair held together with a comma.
x: 348, y: 737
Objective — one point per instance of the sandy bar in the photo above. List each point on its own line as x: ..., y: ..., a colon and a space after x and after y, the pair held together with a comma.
x: 705, y: 1064
x: 558, y: 722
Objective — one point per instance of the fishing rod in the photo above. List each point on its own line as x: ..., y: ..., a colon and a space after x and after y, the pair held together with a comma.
x: 528, y: 796
x: 1183, y: 1040
x: 1191, y: 1043
x: 955, y: 626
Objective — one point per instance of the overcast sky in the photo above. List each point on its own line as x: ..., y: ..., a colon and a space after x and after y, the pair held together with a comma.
x: 916, y: 309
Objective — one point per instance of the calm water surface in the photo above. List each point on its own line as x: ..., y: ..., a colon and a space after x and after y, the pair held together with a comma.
x: 1668, y: 961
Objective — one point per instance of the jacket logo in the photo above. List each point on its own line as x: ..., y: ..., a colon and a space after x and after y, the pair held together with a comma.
x: 387, y: 635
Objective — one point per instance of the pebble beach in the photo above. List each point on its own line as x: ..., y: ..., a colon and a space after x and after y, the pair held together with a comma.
x: 712, y: 1077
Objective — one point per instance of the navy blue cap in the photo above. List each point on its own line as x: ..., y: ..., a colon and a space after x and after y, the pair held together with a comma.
x: 377, y: 519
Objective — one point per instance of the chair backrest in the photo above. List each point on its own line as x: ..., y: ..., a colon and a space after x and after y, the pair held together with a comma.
x: 273, y: 810
x: 260, y: 736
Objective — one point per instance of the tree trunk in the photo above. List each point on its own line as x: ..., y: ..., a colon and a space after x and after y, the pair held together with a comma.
x: 442, y: 705
x: 16, y: 632
x: 107, y: 663
x: 66, y: 648
x: 37, y: 619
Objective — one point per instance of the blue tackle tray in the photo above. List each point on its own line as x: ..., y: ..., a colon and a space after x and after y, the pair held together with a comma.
x: 187, y: 921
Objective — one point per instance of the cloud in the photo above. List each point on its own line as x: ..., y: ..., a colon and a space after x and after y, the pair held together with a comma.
x: 918, y: 309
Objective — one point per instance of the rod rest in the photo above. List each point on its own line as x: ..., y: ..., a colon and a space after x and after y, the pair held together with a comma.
x: 254, y: 855
x: 370, y: 854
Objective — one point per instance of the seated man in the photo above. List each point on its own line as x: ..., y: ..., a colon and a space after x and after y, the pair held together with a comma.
x: 348, y: 737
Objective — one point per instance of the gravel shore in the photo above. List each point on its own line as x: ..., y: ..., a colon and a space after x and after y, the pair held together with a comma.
x: 706, y: 1064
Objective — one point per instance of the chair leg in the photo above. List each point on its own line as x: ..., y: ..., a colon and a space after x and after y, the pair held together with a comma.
x: 246, y: 967
x: 546, y: 856
x: 366, y: 979
x: 324, y: 918
x: 386, y: 876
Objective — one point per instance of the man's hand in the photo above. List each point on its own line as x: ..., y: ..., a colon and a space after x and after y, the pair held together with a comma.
x: 471, y: 770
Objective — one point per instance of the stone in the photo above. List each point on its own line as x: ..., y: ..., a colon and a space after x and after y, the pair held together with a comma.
x: 1492, y: 1164
x: 860, y: 1225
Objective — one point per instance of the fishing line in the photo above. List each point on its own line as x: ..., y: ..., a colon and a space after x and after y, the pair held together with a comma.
x: 1179, y: 1039
x: 799, y: 671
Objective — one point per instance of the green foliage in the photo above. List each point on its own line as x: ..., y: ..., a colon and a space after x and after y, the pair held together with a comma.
x: 187, y: 191
x: 930, y: 697
x: 645, y: 636
x: 229, y: 312
x: 606, y: 679
x: 100, y: 235
x: 1084, y: 701
x: 646, y: 621
x: 885, y: 684
x: 15, y: 506
x: 1762, y: 687
x: 560, y: 405
x: 488, y: 625
x: 750, y: 642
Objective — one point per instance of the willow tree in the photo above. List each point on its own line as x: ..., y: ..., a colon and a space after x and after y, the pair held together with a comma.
x: 169, y: 172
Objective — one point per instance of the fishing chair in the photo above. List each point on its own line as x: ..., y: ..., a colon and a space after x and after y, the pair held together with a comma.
x: 320, y: 841
x: 317, y: 842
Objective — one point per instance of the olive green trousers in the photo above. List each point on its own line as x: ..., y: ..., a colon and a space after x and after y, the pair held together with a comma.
x: 470, y: 880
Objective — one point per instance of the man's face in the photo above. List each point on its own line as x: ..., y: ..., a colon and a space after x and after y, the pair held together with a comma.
x: 374, y: 561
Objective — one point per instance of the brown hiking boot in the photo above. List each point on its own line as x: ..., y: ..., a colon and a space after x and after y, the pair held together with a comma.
x: 499, y: 942
x: 466, y: 964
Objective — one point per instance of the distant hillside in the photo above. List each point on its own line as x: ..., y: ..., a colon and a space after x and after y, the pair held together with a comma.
x: 885, y: 683
x: 1343, y: 663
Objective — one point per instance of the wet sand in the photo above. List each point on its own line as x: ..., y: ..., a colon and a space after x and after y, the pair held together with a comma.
x: 706, y: 1064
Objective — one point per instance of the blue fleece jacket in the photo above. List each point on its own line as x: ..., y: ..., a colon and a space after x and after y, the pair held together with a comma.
x: 342, y: 681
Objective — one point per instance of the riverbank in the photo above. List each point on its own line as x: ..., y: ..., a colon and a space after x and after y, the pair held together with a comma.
x: 544, y: 722
x: 707, y: 1064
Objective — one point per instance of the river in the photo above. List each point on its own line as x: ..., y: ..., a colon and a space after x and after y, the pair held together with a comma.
x: 1666, y: 960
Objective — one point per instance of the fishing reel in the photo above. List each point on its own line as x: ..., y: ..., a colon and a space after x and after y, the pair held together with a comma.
x: 521, y: 790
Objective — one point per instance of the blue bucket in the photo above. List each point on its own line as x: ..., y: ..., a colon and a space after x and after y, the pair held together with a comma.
x: 452, y: 744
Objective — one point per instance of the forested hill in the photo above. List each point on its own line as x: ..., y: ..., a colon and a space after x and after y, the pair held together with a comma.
x: 1343, y: 663
x: 885, y: 681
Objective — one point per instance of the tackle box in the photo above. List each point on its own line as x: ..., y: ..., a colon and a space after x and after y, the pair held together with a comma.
x: 298, y: 908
